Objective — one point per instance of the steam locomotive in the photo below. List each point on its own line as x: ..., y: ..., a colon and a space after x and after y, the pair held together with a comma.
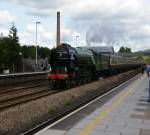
x: 73, y: 66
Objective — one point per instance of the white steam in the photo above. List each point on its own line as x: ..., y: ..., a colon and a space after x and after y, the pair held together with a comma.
x: 105, y: 32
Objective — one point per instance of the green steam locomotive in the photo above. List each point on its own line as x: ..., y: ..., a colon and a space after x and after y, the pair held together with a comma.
x: 73, y: 66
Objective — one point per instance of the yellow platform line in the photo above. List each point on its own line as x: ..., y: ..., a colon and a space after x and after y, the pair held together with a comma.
x: 109, y: 109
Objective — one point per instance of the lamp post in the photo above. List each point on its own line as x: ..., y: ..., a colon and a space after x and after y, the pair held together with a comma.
x: 36, y: 40
x: 20, y: 53
x: 76, y: 40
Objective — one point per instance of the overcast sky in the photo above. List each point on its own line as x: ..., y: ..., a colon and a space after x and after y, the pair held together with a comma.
x: 96, y: 22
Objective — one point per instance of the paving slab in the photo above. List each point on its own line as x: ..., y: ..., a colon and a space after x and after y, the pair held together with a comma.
x: 53, y: 132
x: 145, y: 132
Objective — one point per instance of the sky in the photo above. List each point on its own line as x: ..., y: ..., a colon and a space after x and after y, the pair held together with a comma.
x: 94, y: 22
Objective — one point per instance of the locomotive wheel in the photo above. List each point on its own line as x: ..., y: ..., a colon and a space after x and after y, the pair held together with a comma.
x: 67, y: 84
x: 55, y: 86
x: 84, y: 80
x: 79, y: 82
x: 89, y: 79
x: 74, y: 84
x: 50, y: 84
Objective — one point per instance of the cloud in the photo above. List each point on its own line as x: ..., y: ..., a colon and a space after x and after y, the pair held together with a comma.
x: 39, y: 12
x: 4, y: 32
x: 45, y: 38
x: 6, y: 17
x: 45, y: 4
x: 31, y: 28
x: 112, y: 22
x: 42, y: 8
x: 68, y: 34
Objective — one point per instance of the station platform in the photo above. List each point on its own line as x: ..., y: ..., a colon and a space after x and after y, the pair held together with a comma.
x: 125, y: 112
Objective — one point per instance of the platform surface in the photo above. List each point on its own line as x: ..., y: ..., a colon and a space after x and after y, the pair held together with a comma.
x: 125, y: 113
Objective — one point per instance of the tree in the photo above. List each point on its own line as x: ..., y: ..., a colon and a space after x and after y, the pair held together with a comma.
x: 125, y: 50
x: 25, y: 51
x: 4, y: 53
x: 14, y: 47
x: 44, y: 52
x: 122, y: 50
x: 128, y: 50
x: 10, y: 50
x: 13, y: 34
x: 147, y: 59
x: 29, y: 52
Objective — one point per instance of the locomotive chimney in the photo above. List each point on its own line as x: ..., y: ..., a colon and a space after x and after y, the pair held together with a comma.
x: 58, y: 30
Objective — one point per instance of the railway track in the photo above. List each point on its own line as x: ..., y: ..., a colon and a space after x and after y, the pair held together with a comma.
x: 15, y: 95
x: 25, y: 97
x: 10, y: 97
x: 25, y: 84
x: 26, y: 92
x: 21, y: 87
x: 23, y: 93
x: 16, y: 79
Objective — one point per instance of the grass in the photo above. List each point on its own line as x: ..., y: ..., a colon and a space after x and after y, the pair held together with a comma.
x: 52, y: 110
x: 67, y: 103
